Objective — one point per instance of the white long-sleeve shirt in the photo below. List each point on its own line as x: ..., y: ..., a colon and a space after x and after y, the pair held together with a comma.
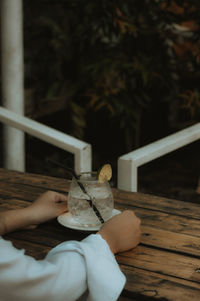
x: 67, y: 272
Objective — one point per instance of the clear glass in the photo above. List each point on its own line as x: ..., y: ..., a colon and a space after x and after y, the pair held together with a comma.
x: 100, y: 194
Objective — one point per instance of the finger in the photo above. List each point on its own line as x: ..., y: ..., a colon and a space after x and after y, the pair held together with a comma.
x: 62, y: 205
x: 61, y: 198
x: 30, y: 227
x: 62, y: 208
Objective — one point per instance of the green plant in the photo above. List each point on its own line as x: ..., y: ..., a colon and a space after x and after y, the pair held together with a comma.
x: 112, y: 55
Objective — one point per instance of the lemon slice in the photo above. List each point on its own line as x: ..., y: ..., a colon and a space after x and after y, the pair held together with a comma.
x: 105, y: 173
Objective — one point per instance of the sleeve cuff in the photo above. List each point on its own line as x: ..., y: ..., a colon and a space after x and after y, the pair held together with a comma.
x: 105, y: 279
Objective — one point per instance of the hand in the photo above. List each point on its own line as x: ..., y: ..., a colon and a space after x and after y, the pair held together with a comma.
x: 122, y: 232
x: 49, y: 205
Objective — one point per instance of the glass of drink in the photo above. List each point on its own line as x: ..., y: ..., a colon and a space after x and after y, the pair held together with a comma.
x: 88, y: 197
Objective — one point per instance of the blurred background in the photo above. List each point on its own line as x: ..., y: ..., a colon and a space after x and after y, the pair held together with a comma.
x: 118, y: 75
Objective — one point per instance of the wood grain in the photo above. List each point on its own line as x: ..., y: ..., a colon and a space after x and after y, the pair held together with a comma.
x: 172, y: 241
x: 158, y: 287
x: 162, y: 262
x: 156, y: 203
x: 166, y: 264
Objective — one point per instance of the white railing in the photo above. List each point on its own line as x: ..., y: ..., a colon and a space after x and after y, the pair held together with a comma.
x: 13, y: 99
x: 12, y: 78
x: 128, y: 164
x: 81, y: 150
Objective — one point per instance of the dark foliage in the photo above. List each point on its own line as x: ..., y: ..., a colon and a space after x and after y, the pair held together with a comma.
x: 127, y: 63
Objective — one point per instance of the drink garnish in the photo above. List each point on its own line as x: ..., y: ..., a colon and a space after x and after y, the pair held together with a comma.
x: 105, y: 173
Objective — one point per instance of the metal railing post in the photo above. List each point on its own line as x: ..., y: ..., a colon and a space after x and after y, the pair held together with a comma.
x: 12, y: 80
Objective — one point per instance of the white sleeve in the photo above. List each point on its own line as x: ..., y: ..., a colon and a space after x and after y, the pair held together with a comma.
x: 65, y: 274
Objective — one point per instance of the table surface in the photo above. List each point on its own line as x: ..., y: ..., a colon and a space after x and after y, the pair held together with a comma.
x: 166, y: 264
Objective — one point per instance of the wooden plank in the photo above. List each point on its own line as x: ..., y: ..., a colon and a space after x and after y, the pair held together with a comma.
x: 38, y: 242
x: 161, y: 221
x: 160, y: 204
x: 162, y: 262
x: 165, y: 265
x: 153, y: 286
x: 158, y: 236
x: 128, y: 198
x: 125, y: 198
x: 48, y: 234
x: 9, y: 204
x: 152, y: 259
x: 35, y: 180
x: 37, y: 251
x: 139, y: 280
x: 165, y: 221
x: 150, y: 236
x: 168, y: 240
x: 24, y: 192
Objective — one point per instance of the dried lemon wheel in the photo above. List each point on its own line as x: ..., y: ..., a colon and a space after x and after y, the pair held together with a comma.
x: 104, y: 173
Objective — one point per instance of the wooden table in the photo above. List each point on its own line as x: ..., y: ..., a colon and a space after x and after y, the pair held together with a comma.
x: 165, y: 266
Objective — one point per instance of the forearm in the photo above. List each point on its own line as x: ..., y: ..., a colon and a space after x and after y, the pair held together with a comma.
x: 15, y: 219
x: 59, y: 278
x: 46, y: 207
x: 66, y: 272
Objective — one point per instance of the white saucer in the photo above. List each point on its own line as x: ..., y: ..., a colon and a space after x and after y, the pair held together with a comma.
x: 68, y: 221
